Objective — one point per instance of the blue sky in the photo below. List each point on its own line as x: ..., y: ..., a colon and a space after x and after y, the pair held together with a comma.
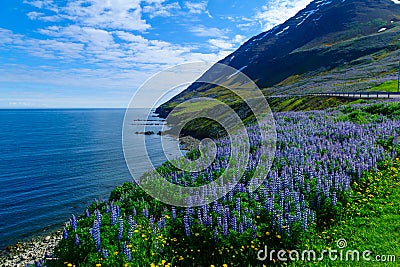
x: 79, y: 53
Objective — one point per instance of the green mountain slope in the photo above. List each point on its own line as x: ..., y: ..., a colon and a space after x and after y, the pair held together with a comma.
x: 351, y: 45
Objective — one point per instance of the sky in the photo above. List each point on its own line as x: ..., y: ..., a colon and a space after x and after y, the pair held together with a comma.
x: 96, y: 53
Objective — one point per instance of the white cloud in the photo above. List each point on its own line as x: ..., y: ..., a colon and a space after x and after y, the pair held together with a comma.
x: 91, y: 38
x: 129, y: 37
x: 48, y: 48
x: 225, y: 44
x: 221, y: 44
x: 116, y: 14
x: 196, y: 7
x: 239, y: 39
x: 202, y: 31
x: 35, y: 15
x: 43, y: 4
x: 273, y: 13
x: 278, y: 11
x: 158, y: 9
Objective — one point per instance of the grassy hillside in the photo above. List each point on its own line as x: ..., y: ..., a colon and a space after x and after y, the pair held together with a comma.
x: 388, y: 86
x: 201, y: 128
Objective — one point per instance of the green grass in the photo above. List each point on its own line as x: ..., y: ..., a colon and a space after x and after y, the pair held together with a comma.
x: 389, y: 86
x: 370, y: 221
x: 369, y: 113
x: 307, y: 103
x: 202, y: 127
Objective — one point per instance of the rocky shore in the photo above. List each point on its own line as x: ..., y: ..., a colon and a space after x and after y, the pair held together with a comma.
x: 28, y: 253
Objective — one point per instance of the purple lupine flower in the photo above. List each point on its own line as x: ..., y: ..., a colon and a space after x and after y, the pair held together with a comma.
x: 105, y: 253
x: 65, y: 234
x: 233, y: 223
x: 77, y: 241
x: 334, y: 199
x: 216, y: 234
x: 145, y: 213
x: 254, y: 228
x: 87, y: 213
x: 304, y: 222
x: 132, y: 225
x: 96, y: 234
x: 127, y: 252
x: 199, y: 216
x: 280, y: 223
x: 98, y: 216
x: 238, y: 205
x: 38, y: 263
x: 186, y: 224
x: 312, y: 216
x: 174, y: 213
x: 118, y: 209
x: 121, y: 229
x: 241, y: 228
x: 225, y: 227
x: 161, y: 223
x: 74, y: 224
x: 219, y: 221
x: 114, y: 215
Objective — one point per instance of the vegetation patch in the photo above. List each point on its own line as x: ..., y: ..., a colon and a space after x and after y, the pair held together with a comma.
x: 330, y: 180
x: 388, y: 86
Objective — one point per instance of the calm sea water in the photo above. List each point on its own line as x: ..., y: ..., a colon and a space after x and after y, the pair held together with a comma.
x: 53, y: 163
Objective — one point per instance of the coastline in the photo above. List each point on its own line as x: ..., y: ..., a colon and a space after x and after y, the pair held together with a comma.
x: 26, y: 253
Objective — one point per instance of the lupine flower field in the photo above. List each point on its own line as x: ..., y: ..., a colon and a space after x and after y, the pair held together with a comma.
x: 319, y: 155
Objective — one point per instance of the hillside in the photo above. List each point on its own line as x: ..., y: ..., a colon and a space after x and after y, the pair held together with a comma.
x: 350, y: 45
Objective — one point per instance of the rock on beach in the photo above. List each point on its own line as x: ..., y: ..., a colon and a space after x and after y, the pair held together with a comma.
x: 27, y: 253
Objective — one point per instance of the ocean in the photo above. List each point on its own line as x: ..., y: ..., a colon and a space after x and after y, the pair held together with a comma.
x: 54, y: 162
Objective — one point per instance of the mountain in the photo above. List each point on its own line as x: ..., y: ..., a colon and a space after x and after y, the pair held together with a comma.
x: 325, y: 45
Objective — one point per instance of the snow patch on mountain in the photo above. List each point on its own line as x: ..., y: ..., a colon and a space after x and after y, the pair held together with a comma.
x: 323, y: 3
x: 282, y: 31
x: 306, y: 15
x: 237, y: 72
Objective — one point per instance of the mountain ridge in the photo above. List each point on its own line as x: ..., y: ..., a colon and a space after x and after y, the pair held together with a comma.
x: 324, y: 41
